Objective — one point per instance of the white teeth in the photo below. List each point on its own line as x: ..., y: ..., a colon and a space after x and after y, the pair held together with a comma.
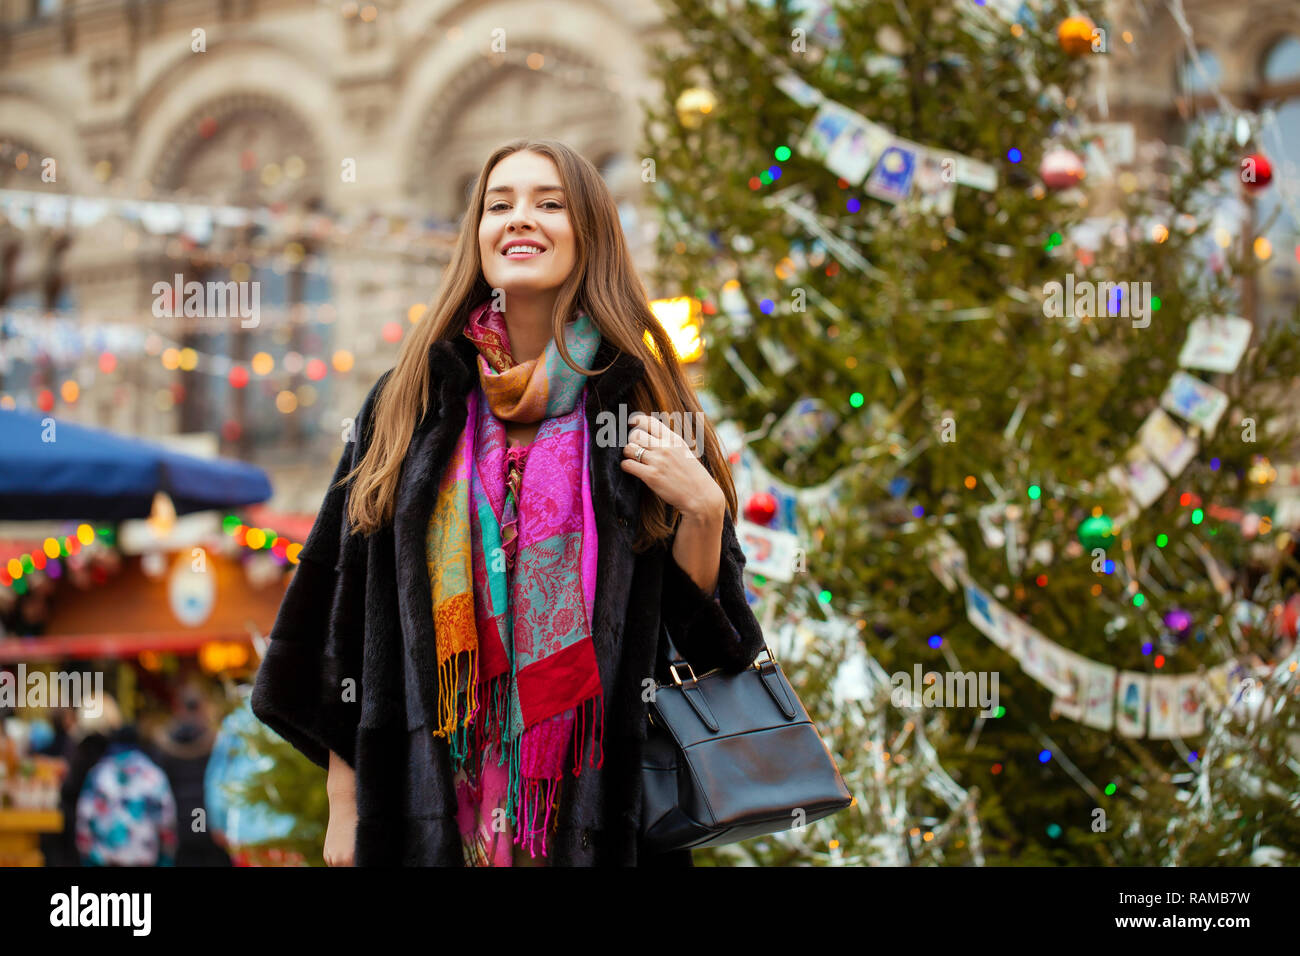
x: 523, y: 249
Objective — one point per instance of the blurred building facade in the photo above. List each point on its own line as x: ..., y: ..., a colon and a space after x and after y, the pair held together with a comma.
x: 354, y: 130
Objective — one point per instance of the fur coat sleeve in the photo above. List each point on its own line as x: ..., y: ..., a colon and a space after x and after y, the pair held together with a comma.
x: 712, y: 631
x: 300, y: 690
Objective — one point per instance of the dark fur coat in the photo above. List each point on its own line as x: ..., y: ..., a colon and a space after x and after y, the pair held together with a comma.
x: 360, y: 607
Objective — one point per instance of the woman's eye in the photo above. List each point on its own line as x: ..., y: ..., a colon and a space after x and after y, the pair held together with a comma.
x: 500, y: 206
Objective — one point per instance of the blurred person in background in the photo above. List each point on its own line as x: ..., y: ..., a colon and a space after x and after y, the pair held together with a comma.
x: 184, y: 748
x: 57, y: 741
x: 121, y: 804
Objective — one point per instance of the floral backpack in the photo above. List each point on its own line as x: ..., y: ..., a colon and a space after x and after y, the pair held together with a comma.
x: 126, y: 814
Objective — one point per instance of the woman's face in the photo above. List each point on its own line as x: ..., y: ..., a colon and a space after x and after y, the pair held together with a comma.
x: 525, y: 205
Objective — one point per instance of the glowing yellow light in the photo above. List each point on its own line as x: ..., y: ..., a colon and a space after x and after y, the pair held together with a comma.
x: 217, y: 656
x: 188, y: 359
x: 680, y: 318
x: 342, y: 361
x: 1127, y: 36
x: 151, y: 661
x: 286, y: 401
x: 1159, y: 232
x: 171, y: 359
x: 416, y: 312
x: 256, y: 538
x: 70, y: 391
x: 535, y: 61
x: 292, y: 552
x: 262, y: 363
x: 1222, y: 237
x: 85, y: 533
x: 1263, y: 248
x: 15, y: 568
x: 51, y: 548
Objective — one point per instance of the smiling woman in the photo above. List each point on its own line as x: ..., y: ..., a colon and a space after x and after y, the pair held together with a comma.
x: 480, y: 602
x: 527, y: 246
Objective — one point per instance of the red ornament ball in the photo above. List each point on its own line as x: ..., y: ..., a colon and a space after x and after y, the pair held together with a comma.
x: 1256, y: 172
x: 761, y: 508
x: 1291, y: 617
x: 1061, y: 169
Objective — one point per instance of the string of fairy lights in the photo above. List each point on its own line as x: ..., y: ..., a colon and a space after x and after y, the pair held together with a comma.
x: 16, y: 572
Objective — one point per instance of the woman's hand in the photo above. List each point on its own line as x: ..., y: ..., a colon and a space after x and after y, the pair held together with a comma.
x: 672, y: 470
x: 341, y: 833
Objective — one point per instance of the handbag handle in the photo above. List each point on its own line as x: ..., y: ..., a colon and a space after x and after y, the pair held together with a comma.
x: 676, y: 659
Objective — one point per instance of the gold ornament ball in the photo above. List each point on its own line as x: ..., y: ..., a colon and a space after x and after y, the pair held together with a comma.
x: 1075, y: 35
x: 695, y: 104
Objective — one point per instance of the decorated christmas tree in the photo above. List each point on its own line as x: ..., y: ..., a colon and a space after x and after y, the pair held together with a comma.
x: 993, y: 412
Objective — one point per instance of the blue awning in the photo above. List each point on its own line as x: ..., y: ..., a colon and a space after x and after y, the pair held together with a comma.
x: 96, y: 475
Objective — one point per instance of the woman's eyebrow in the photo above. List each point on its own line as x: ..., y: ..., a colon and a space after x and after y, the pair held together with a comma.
x: 540, y: 189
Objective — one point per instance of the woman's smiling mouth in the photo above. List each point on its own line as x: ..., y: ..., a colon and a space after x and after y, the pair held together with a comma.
x: 522, y: 251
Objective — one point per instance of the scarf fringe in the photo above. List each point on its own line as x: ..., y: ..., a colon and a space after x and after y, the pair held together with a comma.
x: 454, y: 724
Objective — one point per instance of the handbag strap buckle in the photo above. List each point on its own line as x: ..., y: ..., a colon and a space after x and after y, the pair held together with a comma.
x: 759, y: 662
x: 672, y: 668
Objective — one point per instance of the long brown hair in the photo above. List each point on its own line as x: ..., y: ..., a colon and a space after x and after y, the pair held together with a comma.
x: 604, y: 284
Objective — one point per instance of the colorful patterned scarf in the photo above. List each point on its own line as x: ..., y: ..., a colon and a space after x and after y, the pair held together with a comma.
x: 512, y: 565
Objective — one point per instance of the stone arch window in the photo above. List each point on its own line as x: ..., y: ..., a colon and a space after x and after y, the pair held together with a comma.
x: 243, y: 149
x: 1282, y: 61
x: 1194, y: 81
x: 249, y: 150
x: 562, y: 99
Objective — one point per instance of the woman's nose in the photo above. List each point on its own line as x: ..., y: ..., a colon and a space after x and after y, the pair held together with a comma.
x: 521, y: 218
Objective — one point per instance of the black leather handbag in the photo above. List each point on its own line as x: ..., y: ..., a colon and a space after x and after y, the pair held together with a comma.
x: 728, y: 757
